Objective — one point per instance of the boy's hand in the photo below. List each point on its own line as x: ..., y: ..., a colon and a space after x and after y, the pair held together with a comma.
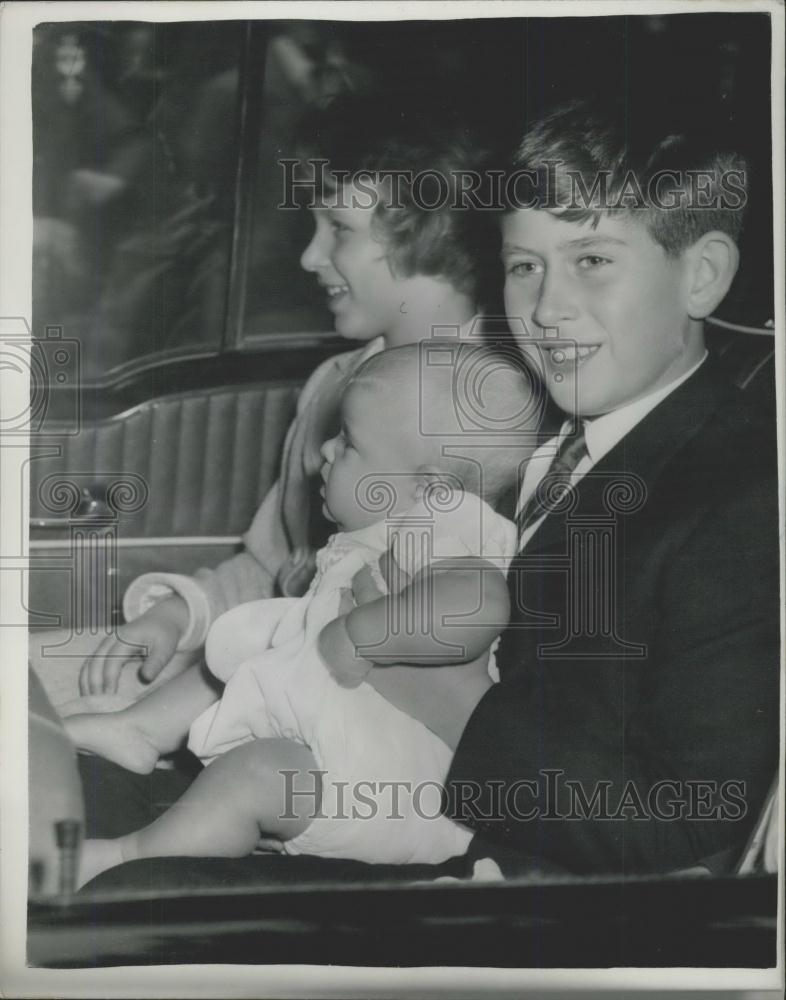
x: 394, y: 576
x: 155, y: 634
x: 364, y: 587
x: 338, y: 650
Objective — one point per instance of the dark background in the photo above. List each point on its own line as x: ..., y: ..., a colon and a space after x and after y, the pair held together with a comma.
x: 151, y: 270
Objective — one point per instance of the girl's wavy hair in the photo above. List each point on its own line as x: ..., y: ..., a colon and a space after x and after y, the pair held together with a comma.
x: 583, y: 141
x: 379, y: 135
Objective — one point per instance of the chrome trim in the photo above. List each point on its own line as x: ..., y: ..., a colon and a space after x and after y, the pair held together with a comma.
x: 187, y: 541
x: 760, y: 331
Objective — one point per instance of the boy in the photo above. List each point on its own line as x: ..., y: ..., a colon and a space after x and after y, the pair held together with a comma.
x: 635, y: 726
x: 282, y: 713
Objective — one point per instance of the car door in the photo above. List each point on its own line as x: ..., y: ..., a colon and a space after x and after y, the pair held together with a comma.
x: 168, y: 371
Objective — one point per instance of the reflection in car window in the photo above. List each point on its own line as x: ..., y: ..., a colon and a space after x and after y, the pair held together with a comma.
x: 307, y: 63
x: 304, y: 65
x: 133, y: 172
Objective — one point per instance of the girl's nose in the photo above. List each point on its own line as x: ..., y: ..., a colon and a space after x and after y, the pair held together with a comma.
x: 317, y: 254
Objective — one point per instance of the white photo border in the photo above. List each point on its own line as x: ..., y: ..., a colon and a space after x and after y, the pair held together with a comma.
x: 16, y: 23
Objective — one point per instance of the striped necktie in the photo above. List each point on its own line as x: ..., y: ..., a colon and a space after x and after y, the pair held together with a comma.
x: 552, y: 488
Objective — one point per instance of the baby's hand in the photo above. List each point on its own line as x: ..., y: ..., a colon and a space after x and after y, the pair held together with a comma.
x: 112, y: 736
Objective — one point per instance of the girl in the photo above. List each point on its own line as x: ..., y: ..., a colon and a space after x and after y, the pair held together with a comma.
x: 389, y: 274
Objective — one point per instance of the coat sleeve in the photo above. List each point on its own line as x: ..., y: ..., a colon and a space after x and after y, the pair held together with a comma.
x: 686, y: 769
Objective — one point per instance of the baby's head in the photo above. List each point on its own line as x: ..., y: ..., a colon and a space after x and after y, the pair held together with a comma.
x: 442, y: 413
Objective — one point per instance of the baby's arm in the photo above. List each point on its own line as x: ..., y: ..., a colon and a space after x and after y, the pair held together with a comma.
x: 155, y: 725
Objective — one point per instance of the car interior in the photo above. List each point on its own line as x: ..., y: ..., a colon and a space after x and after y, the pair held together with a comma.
x: 174, y: 328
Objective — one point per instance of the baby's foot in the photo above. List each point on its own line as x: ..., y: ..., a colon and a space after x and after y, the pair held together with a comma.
x: 112, y: 736
x: 96, y: 857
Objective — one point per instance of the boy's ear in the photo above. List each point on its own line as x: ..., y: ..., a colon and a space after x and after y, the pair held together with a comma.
x: 712, y: 263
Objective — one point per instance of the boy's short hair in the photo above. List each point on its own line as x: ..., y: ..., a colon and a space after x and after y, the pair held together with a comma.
x: 379, y: 135
x: 590, y: 161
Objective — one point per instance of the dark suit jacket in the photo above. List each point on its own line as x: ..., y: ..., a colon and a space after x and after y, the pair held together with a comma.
x: 670, y: 675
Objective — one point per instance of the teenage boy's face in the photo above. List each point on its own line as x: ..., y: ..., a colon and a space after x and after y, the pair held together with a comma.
x: 610, y: 289
x: 351, y: 264
x: 368, y: 445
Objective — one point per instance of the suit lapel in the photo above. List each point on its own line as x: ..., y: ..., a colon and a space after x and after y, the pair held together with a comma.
x: 644, y: 451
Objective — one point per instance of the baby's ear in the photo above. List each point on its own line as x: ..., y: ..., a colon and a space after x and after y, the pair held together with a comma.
x: 433, y: 481
x: 426, y: 478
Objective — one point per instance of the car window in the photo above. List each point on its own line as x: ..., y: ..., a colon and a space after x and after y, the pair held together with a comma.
x: 135, y: 146
x: 157, y: 177
x: 307, y: 63
x: 281, y: 297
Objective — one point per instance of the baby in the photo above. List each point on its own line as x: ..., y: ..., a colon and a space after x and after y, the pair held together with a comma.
x: 341, y: 709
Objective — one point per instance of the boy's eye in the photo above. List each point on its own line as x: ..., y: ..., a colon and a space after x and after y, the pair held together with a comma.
x: 524, y: 268
x: 591, y: 261
x: 338, y: 227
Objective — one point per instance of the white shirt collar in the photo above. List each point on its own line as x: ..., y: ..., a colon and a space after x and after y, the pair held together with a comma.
x: 372, y: 347
x: 601, y: 435
x: 604, y: 432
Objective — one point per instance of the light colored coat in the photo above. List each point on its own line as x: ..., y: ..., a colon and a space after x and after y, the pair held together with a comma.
x: 278, y: 553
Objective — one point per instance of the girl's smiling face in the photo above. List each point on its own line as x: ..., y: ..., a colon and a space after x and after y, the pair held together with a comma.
x: 351, y: 263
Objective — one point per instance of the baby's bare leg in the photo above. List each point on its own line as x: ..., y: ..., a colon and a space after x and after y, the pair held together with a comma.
x: 235, y: 800
x: 155, y: 725
x: 266, y: 787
